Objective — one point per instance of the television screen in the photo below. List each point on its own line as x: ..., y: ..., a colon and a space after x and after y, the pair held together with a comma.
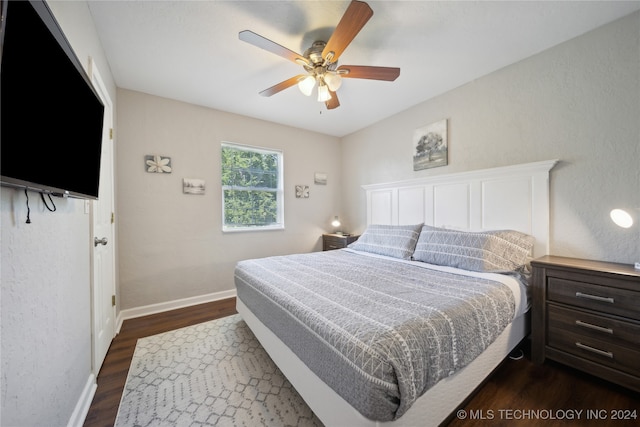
x: 51, y: 118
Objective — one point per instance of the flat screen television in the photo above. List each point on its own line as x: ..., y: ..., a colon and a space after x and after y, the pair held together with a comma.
x: 51, y: 118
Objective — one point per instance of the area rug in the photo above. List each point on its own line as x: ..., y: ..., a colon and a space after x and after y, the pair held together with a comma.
x: 211, y: 374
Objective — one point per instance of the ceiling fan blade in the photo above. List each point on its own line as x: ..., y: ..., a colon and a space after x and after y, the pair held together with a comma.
x: 355, y: 17
x: 366, y: 72
x: 282, y: 85
x: 333, y: 102
x: 270, y: 46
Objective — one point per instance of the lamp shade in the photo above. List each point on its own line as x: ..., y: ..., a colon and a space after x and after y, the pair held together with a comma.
x: 306, y: 85
x: 335, y: 222
x: 333, y: 80
x: 323, y: 93
x: 622, y: 218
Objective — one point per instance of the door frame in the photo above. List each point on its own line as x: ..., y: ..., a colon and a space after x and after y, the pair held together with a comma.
x: 102, y: 92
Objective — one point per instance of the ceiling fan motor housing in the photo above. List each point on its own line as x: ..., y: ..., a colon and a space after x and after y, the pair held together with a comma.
x: 314, y: 53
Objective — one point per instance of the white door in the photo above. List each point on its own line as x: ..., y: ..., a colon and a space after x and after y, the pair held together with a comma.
x: 102, y: 238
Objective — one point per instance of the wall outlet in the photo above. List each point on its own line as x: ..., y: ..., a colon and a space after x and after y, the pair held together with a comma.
x: 637, y: 266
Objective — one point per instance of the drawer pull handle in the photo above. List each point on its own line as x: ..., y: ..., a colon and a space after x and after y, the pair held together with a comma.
x: 594, y: 350
x: 594, y: 297
x: 596, y: 327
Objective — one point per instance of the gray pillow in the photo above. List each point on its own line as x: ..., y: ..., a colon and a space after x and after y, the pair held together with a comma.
x: 486, y: 251
x: 396, y: 241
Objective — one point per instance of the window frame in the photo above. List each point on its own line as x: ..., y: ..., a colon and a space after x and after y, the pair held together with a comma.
x: 279, y: 224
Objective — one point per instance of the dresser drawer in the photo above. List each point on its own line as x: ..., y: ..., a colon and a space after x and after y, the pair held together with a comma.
x: 612, y: 331
x: 331, y: 242
x: 586, y: 314
x: 602, y: 352
x: 336, y: 241
x: 610, y: 300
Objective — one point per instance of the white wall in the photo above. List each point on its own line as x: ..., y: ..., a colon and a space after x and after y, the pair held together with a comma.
x: 171, y: 244
x: 46, y: 305
x: 578, y: 102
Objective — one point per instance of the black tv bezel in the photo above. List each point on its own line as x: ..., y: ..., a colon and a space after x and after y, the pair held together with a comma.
x: 48, y: 18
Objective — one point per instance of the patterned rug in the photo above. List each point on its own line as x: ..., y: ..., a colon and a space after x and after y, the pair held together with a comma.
x: 212, y: 374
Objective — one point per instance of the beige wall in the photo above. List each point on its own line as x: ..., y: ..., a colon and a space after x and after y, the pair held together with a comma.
x: 578, y: 102
x: 171, y: 244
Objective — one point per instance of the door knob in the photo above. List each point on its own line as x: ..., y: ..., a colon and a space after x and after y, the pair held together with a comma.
x: 97, y: 241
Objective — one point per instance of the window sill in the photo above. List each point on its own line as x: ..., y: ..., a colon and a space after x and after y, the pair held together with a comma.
x: 256, y: 228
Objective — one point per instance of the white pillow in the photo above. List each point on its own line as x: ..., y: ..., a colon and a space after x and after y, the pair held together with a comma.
x: 496, y: 250
x: 396, y: 241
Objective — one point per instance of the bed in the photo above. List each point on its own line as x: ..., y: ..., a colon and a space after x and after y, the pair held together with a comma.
x: 399, y: 328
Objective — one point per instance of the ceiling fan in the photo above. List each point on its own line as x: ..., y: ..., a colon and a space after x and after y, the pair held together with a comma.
x: 320, y: 61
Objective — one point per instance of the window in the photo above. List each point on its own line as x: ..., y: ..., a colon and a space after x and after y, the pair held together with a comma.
x: 252, y: 194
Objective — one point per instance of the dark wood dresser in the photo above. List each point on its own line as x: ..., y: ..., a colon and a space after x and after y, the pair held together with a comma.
x: 337, y: 241
x: 586, y: 314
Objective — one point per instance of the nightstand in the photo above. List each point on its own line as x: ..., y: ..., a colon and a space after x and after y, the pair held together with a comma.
x: 586, y: 314
x: 337, y: 241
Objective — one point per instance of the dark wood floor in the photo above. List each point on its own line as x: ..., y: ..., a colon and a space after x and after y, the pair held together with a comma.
x: 519, y: 393
x: 113, y: 374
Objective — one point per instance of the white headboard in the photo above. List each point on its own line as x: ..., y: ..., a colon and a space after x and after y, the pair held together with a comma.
x: 511, y: 197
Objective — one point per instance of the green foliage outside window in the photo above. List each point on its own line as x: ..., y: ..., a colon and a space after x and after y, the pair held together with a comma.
x: 251, y: 187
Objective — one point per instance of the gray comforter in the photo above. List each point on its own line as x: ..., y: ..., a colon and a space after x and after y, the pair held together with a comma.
x: 377, y: 331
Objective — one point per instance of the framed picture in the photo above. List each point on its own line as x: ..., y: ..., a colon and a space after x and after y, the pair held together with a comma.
x: 157, y: 164
x: 430, y: 146
x: 192, y: 186
x: 320, y: 178
x: 302, y: 191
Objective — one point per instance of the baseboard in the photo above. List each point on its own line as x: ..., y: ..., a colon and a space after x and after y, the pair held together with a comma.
x: 84, y: 403
x: 132, y: 313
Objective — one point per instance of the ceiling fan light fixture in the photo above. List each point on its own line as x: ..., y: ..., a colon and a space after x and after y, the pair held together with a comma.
x: 323, y: 93
x: 333, y: 80
x: 320, y: 61
x: 306, y: 85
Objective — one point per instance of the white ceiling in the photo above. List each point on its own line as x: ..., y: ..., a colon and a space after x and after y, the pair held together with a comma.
x: 190, y: 51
